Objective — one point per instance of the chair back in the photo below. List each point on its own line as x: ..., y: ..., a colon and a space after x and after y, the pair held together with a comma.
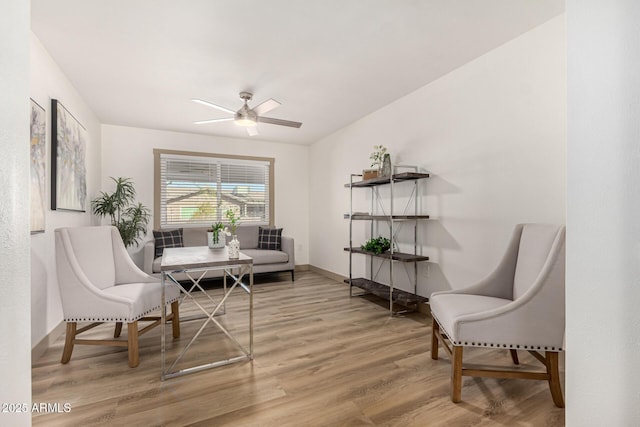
x: 536, y: 250
x: 89, y: 249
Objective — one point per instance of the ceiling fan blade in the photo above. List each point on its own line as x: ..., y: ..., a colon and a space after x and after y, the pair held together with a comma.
x: 208, y: 104
x: 280, y: 122
x: 266, y: 106
x: 252, y: 130
x: 203, y: 122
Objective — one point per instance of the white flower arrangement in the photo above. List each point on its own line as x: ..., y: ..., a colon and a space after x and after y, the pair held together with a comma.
x: 377, y: 157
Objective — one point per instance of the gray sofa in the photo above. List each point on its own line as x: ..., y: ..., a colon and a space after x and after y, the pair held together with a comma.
x: 264, y: 260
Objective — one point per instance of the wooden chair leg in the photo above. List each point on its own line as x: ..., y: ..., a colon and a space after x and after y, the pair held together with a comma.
x: 292, y: 278
x: 434, y: 339
x: 118, y: 330
x: 175, y: 320
x: 514, y: 357
x: 456, y: 374
x: 554, y: 378
x: 70, y: 336
x: 132, y: 338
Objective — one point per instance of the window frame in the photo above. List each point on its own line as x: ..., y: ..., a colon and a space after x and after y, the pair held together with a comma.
x: 157, y: 152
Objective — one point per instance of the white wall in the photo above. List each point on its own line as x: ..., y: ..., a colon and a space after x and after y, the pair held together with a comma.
x: 603, y: 234
x: 15, y: 355
x: 492, y: 134
x: 48, y: 82
x: 128, y: 152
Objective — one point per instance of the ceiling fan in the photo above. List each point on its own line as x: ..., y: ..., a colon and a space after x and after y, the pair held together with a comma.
x: 248, y: 117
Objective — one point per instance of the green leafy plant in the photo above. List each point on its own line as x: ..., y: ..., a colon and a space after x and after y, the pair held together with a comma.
x: 377, y: 245
x: 129, y: 217
x: 233, y: 220
x: 216, y: 229
x: 377, y: 157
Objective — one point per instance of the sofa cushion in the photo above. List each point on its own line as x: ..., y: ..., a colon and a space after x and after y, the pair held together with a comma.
x: 167, y: 239
x: 264, y: 256
x: 248, y: 236
x: 260, y: 257
x: 195, y: 236
x: 270, y: 238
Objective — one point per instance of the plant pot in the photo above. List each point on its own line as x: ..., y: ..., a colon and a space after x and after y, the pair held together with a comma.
x: 215, y: 243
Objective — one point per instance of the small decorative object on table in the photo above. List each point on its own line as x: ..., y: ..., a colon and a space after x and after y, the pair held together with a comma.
x: 369, y: 174
x: 377, y: 159
x: 215, y: 236
x: 234, y: 244
x: 386, y: 166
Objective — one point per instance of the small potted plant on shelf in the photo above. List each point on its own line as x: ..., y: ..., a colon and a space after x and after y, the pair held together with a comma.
x: 215, y: 237
x: 377, y: 245
x: 234, y: 244
x: 377, y: 159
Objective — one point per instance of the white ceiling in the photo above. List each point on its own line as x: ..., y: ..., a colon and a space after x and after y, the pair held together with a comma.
x: 330, y: 62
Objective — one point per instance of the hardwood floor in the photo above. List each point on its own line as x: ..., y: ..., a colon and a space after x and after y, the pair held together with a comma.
x: 321, y: 359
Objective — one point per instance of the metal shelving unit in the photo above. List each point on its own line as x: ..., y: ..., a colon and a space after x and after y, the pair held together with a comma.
x: 388, y: 291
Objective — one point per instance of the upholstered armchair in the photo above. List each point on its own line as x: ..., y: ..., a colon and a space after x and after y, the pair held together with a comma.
x: 100, y: 283
x: 520, y: 306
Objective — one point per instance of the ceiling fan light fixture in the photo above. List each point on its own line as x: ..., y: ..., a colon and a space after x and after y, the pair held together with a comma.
x: 245, y: 117
x: 245, y: 122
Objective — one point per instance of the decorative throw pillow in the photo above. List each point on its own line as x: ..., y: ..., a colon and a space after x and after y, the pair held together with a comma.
x: 270, y: 238
x: 167, y: 239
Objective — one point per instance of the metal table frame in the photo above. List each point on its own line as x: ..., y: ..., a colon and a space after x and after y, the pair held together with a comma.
x: 201, y: 259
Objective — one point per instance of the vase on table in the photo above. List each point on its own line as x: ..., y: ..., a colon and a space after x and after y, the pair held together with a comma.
x: 234, y: 247
x: 385, y: 168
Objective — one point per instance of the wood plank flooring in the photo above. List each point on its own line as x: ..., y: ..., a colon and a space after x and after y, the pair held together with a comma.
x: 321, y: 359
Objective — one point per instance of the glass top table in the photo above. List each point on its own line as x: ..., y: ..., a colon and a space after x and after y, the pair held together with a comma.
x: 195, y: 262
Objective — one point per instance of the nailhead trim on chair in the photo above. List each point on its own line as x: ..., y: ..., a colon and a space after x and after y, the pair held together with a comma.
x: 97, y: 319
x: 509, y: 346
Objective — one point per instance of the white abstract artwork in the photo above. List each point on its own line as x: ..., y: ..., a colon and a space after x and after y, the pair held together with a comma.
x: 69, y: 175
x: 38, y: 153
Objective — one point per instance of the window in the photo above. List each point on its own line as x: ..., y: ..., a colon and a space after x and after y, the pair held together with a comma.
x: 196, y: 189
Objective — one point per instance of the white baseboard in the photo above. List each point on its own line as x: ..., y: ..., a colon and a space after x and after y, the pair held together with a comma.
x: 47, y: 341
x: 330, y: 274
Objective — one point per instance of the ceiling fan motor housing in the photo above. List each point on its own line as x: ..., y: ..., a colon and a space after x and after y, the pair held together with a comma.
x: 245, y: 116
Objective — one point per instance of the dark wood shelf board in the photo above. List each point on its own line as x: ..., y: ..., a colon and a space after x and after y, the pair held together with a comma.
x: 361, y: 217
x: 380, y: 289
x: 404, y: 176
x: 397, y: 256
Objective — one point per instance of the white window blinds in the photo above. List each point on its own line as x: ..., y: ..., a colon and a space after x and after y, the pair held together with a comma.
x: 198, y: 190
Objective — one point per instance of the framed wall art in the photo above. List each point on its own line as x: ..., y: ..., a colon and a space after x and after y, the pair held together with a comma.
x: 68, y: 171
x: 37, y: 145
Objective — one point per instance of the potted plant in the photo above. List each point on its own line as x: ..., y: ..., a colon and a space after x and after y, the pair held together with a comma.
x: 129, y: 217
x: 234, y: 244
x: 233, y: 220
x: 214, y: 237
x: 377, y: 159
x: 377, y: 245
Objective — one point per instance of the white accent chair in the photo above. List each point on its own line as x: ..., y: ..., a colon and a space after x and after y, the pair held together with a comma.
x: 520, y: 306
x: 100, y: 283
